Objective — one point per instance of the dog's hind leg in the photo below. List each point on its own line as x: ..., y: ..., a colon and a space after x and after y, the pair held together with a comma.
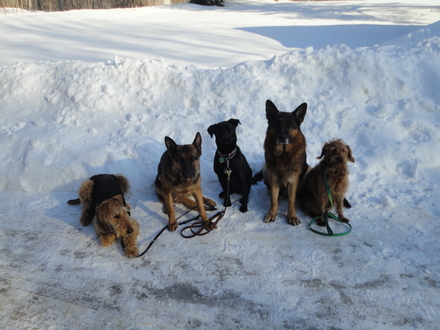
x: 85, y: 196
x: 188, y: 202
x: 209, y: 203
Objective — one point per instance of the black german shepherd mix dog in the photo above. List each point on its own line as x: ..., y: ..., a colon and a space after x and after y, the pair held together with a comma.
x: 229, y: 156
x: 285, y: 158
x: 179, y: 177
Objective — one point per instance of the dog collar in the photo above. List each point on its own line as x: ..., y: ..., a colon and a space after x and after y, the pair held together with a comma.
x: 222, y: 157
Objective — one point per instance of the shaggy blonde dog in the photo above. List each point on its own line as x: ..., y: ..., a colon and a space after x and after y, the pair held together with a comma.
x: 102, y: 198
x: 316, y: 202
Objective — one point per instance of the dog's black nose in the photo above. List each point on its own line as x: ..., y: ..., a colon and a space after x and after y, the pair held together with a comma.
x: 129, y: 230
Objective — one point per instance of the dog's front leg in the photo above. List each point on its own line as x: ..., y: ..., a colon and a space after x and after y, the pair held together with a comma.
x: 339, y: 206
x: 129, y: 241
x: 291, y: 213
x: 274, y: 194
x: 169, y: 205
x: 201, y: 206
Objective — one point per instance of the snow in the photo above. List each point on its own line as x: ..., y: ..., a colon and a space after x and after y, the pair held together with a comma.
x: 88, y: 92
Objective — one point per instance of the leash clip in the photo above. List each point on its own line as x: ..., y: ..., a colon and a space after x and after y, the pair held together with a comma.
x: 228, y: 172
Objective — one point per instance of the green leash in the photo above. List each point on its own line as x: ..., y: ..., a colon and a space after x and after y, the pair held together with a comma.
x: 328, y: 215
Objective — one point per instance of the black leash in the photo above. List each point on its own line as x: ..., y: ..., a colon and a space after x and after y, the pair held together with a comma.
x: 205, y: 227
x: 163, y: 229
x: 201, y: 228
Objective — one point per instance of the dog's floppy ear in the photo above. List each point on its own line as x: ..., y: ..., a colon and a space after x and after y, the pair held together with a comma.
x: 170, y: 144
x: 104, y: 208
x: 350, y: 157
x: 198, y: 143
x: 234, y: 122
x: 212, y: 129
x: 119, y: 199
x: 107, y: 206
x: 300, y: 113
x: 323, y: 151
x: 271, y: 109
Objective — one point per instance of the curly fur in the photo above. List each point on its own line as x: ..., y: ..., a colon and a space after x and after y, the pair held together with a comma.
x: 334, y: 157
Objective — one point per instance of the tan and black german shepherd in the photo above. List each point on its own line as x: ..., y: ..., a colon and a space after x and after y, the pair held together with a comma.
x: 179, y: 177
x: 285, y: 158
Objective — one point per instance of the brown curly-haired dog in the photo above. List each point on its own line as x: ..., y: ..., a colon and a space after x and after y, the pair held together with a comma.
x: 315, y: 200
x: 102, y: 197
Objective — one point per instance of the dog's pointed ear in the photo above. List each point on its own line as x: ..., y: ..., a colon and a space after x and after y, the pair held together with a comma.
x: 170, y: 144
x: 300, y: 113
x: 198, y: 143
x: 212, y: 129
x: 350, y: 157
x: 234, y: 122
x: 271, y: 109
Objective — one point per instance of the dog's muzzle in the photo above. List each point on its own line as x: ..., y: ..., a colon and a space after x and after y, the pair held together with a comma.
x: 282, y: 140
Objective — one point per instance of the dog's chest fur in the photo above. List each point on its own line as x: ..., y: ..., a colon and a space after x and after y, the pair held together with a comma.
x: 337, y: 177
x: 285, y: 158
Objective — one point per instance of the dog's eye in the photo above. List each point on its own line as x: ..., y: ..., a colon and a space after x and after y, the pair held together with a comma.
x: 117, y: 216
x: 193, y: 158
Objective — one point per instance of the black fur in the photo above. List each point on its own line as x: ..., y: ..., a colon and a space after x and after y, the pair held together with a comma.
x: 228, y: 153
x: 105, y: 186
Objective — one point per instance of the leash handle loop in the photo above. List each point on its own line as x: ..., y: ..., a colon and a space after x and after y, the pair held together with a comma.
x: 329, y: 230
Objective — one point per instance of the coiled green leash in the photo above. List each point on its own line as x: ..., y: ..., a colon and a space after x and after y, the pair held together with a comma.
x: 328, y: 215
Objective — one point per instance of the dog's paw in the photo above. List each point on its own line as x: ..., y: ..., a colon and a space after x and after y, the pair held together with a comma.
x: 320, y: 222
x: 227, y: 203
x: 270, y: 218
x: 131, y: 251
x: 344, y: 219
x: 294, y: 221
x: 243, y: 208
x: 172, y: 226
x: 209, y: 204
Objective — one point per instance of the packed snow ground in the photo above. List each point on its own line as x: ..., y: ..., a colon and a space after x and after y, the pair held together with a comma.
x: 81, y: 103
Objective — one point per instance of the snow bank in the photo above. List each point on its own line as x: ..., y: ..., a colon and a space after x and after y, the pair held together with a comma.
x: 65, y: 121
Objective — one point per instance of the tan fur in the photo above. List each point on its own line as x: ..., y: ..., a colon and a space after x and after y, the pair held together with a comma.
x: 110, y: 219
x: 334, y: 157
x: 179, y: 178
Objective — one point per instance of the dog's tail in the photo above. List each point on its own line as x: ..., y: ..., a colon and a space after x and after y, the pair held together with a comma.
x: 74, y: 202
x: 257, y: 177
x: 346, y: 203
